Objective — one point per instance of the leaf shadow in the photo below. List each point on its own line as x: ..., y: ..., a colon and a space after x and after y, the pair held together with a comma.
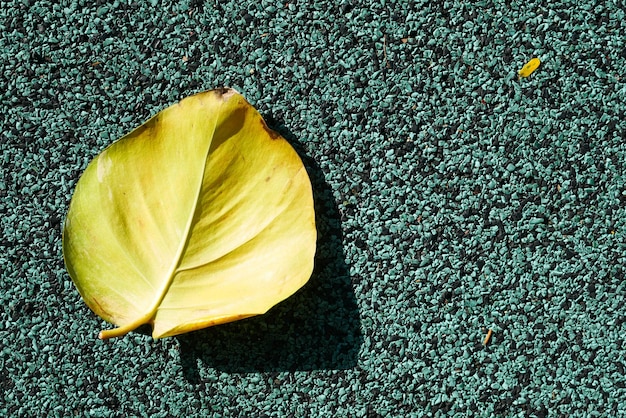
x: 316, y: 328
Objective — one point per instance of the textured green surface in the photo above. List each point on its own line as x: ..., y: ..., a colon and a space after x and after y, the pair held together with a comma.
x: 451, y: 197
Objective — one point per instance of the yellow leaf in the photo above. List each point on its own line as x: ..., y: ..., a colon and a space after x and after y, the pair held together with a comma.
x: 529, y: 67
x: 200, y: 216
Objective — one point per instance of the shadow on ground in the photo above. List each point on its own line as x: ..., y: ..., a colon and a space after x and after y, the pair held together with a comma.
x: 316, y: 328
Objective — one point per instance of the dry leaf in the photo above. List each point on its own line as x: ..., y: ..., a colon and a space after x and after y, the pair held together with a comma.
x: 200, y: 216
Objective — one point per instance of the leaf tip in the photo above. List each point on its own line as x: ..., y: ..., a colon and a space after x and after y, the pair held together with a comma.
x: 226, y: 92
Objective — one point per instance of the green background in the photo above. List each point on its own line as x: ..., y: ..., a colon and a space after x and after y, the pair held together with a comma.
x: 451, y: 196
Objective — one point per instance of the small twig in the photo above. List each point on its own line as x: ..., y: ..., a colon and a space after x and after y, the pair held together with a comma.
x: 488, y: 337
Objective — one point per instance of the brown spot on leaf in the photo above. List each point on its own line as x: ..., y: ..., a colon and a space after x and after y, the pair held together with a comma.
x: 103, y: 312
x: 222, y: 90
x: 225, y: 93
x: 273, y: 134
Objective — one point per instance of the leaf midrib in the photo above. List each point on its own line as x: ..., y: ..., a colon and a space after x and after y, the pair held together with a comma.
x: 184, y: 242
x: 148, y: 317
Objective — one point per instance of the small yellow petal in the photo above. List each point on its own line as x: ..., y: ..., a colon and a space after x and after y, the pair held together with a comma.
x: 529, y: 67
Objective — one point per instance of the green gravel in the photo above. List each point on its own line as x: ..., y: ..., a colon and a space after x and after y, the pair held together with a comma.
x: 452, y: 198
